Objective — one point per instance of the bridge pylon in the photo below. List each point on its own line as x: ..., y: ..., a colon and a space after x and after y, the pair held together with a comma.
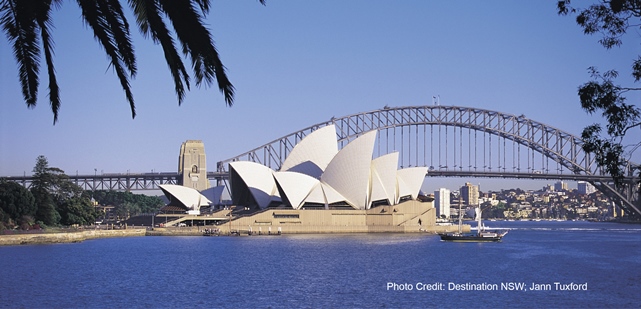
x: 192, y: 165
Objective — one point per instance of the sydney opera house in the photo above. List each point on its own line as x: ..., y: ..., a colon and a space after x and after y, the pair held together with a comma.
x: 316, y: 175
x: 320, y: 188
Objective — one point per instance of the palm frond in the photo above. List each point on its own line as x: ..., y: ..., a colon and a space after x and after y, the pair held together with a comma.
x: 120, y: 29
x: 140, y: 12
x: 19, y: 23
x: 198, y: 45
x: 113, y: 34
x: 44, y: 22
x: 150, y: 22
x: 204, y: 5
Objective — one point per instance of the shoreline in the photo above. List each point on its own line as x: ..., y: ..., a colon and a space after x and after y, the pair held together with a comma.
x: 66, y: 237
x: 79, y: 236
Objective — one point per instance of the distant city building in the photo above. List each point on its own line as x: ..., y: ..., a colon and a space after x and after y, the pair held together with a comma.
x: 442, y: 202
x: 192, y: 165
x: 585, y: 187
x: 560, y: 186
x: 548, y: 187
x: 470, y: 194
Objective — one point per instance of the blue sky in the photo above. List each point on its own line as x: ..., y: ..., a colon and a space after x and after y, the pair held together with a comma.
x: 297, y: 63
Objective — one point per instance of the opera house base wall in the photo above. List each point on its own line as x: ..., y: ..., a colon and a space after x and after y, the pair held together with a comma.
x: 407, y: 217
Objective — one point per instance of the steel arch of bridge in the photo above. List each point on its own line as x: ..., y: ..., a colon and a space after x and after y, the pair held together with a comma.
x: 522, y: 148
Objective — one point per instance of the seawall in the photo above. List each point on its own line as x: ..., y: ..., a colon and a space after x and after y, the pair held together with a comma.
x: 53, y: 238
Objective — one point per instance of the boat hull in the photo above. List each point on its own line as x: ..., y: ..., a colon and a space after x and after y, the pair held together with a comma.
x: 470, y: 238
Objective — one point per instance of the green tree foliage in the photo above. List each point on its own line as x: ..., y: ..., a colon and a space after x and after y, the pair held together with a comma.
x: 46, y: 213
x: 55, y: 200
x: 59, y: 201
x: 17, y: 206
x: 77, y: 210
x: 3, y: 219
x: 16, y: 200
x: 612, y: 19
x: 497, y: 211
x: 42, y: 189
x: 127, y: 210
x: 128, y: 204
x: 28, y: 24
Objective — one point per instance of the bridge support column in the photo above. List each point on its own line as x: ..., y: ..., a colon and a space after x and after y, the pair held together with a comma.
x: 192, y: 165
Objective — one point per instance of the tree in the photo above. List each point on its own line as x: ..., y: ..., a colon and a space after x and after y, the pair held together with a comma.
x: 17, y: 205
x: 128, y: 204
x: 73, y: 203
x: 3, y: 219
x: 612, y: 19
x: 41, y: 188
x: 59, y: 200
x: 27, y: 25
x: 126, y: 210
x: 15, y: 200
x: 77, y: 210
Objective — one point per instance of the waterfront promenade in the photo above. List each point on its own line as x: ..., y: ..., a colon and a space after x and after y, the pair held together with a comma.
x: 66, y: 237
x: 224, y: 230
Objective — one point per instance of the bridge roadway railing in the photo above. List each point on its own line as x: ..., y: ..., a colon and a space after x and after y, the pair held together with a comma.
x: 150, y: 182
x: 112, y: 181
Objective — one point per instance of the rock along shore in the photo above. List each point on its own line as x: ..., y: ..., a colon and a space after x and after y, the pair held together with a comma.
x: 68, y: 237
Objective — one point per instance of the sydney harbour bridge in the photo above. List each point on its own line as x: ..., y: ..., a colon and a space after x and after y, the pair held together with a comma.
x: 452, y: 141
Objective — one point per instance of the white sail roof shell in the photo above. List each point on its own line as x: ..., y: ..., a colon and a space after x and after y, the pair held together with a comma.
x: 331, y: 195
x: 259, y: 180
x: 322, y: 193
x: 349, y: 171
x: 296, y: 186
x: 214, y: 194
x: 189, y: 197
x: 313, y: 153
x: 410, y: 181
x: 384, y: 178
x: 316, y: 195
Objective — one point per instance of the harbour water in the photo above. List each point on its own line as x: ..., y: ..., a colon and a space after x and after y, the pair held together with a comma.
x: 589, y: 265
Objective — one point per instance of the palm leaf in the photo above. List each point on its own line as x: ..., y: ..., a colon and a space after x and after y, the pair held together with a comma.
x: 151, y: 24
x: 110, y: 31
x: 120, y: 29
x: 44, y: 23
x: 198, y: 45
x: 19, y: 23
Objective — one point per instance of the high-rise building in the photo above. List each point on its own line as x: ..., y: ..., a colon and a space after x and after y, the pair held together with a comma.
x: 585, y: 187
x: 470, y: 194
x: 192, y: 165
x: 560, y: 186
x: 442, y: 202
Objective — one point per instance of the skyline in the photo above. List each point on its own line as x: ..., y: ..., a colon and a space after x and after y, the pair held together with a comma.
x: 297, y: 64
